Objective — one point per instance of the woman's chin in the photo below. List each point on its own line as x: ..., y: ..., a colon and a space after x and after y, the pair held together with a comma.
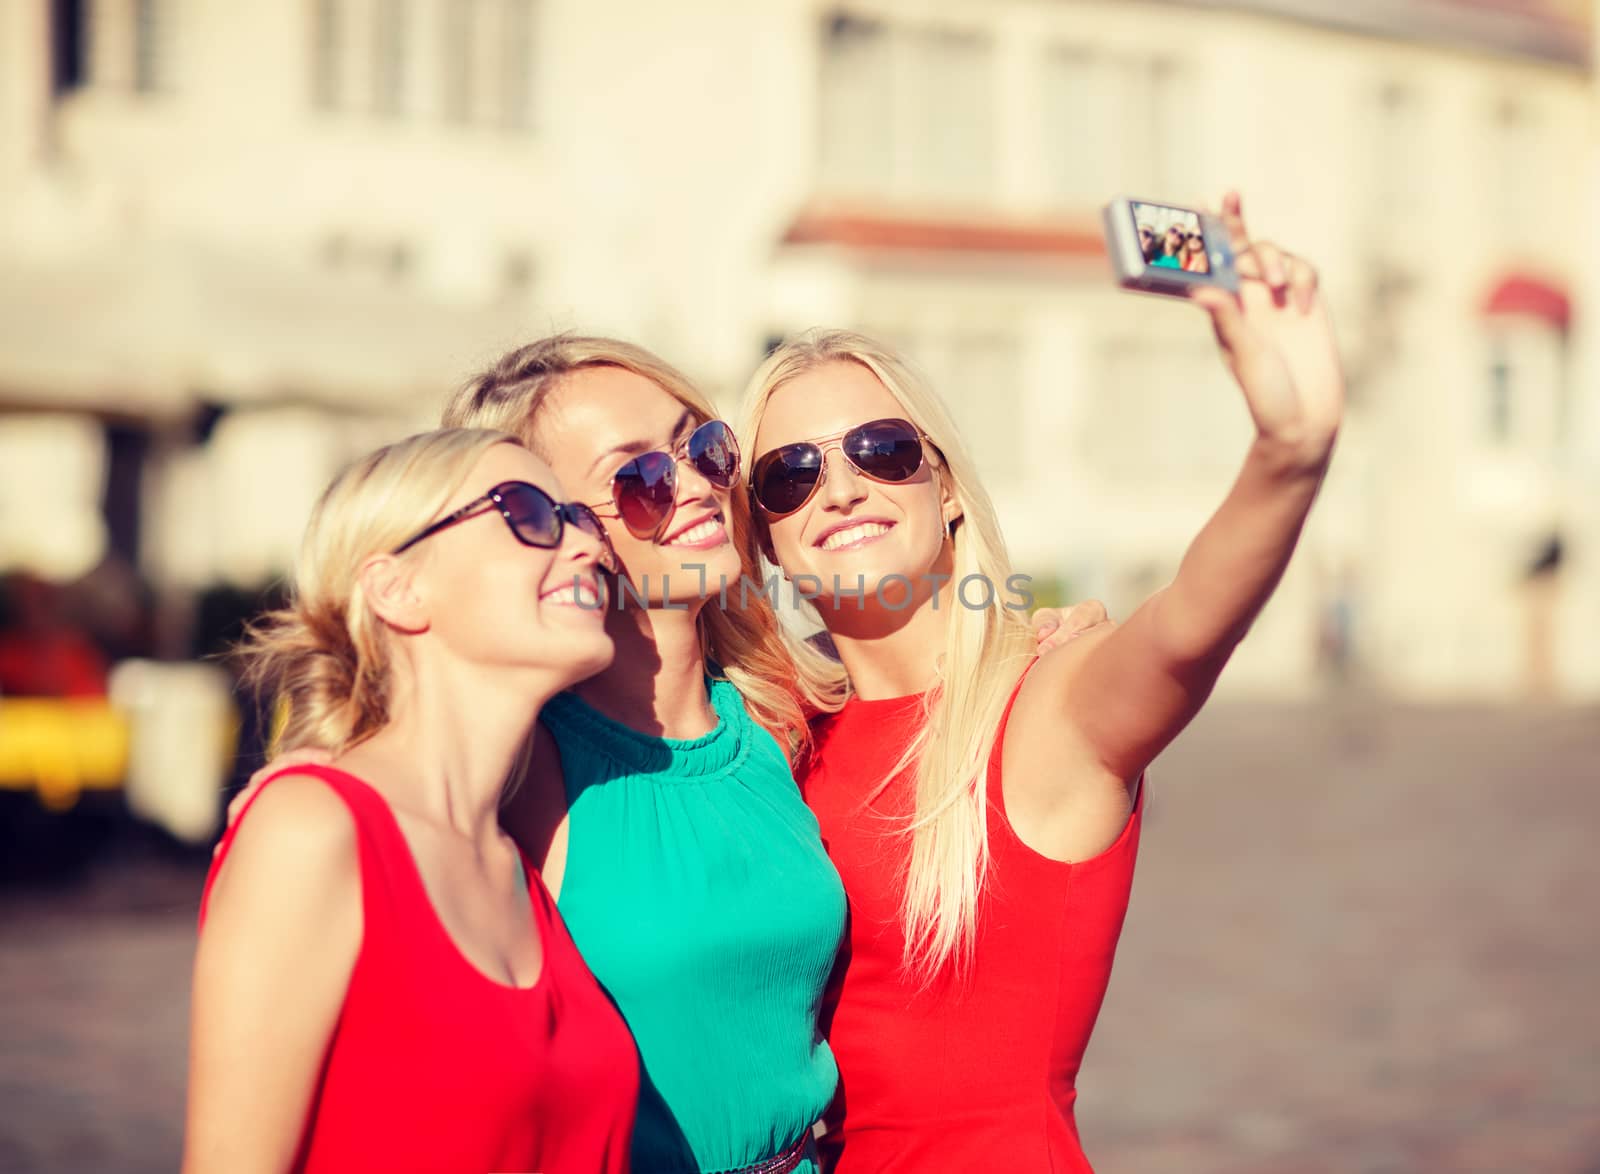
x: 586, y: 657
x: 700, y: 576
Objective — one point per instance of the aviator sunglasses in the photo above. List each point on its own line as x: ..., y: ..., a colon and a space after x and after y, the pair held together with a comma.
x: 533, y: 516
x: 645, y: 490
x: 888, y: 451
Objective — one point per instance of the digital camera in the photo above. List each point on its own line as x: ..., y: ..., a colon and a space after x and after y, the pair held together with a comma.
x: 1167, y: 249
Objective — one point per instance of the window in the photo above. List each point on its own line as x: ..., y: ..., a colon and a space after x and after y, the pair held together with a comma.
x: 1082, y: 115
x: 517, y: 47
x: 906, y: 111
x: 487, y: 66
x: 365, y: 55
x: 1109, y: 124
x: 327, y: 43
x: 112, y: 45
x: 946, y: 114
x: 1519, y: 173
x: 69, y: 59
x: 981, y: 380
x: 390, y: 46
x: 460, y: 19
x: 1157, y: 426
x: 1401, y: 147
x: 1499, y: 396
x: 151, y: 51
x: 857, y: 138
x: 1524, y: 407
x: 977, y: 371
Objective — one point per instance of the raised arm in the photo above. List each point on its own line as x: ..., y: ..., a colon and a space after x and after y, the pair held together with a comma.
x: 282, y: 931
x: 1107, y: 704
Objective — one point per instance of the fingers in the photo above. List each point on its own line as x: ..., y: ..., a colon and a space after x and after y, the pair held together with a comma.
x: 1274, y: 268
x: 306, y: 756
x: 1054, y: 640
x: 1291, y: 279
x: 1085, y: 615
x: 1055, y: 627
x: 1227, y: 314
x: 1233, y: 217
x: 1302, y: 284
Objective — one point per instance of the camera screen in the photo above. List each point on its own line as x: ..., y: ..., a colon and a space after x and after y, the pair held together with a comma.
x: 1170, y: 238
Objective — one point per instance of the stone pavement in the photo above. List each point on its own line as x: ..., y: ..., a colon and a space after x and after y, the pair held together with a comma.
x: 1362, y: 940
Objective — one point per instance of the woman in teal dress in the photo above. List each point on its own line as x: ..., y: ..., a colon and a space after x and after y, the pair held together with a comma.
x: 688, y: 869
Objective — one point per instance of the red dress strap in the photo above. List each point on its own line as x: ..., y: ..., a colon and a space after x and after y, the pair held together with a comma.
x: 357, y: 796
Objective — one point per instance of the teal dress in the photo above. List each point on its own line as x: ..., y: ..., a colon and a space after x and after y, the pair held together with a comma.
x: 698, y: 891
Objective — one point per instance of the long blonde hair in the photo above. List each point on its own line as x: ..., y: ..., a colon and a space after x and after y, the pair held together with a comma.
x: 324, y: 659
x: 745, y: 642
x: 985, y: 652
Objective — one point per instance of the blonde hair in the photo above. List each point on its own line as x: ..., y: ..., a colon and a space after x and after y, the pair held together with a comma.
x: 984, y: 654
x: 746, y: 643
x: 324, y: 659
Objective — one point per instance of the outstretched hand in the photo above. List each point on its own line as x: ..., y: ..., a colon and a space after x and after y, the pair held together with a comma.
x: 1277, y: 339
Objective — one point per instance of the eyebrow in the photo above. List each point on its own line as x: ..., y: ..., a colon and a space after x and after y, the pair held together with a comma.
x: 638, y: 446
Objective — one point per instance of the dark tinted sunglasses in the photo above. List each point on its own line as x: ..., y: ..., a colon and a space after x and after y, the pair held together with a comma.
x: 645, y: 490
x: 534, y: 517
x: 784, y: 479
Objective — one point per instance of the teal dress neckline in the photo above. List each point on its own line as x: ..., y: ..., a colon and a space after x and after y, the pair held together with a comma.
x: 718, y: 751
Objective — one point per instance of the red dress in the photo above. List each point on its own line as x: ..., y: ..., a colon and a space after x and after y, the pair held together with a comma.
x: 433, y: 1066
x: 952, y: 1079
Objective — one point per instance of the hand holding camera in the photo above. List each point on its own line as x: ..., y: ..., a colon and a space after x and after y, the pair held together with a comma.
x: 1269, y: 317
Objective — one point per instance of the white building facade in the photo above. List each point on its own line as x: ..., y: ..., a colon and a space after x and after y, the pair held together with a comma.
x: 302, y: 223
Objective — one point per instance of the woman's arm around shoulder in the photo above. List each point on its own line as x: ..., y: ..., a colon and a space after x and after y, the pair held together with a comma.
x: 282, y: 932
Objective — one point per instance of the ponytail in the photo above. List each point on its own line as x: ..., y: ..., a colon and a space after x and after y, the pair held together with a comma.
x: 322, y: 662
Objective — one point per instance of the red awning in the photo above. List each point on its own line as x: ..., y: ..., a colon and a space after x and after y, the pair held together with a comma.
x: 911, y: 233
x: 1533, y: 298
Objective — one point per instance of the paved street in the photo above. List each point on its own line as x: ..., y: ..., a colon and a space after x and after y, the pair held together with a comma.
x: 1362, y: 940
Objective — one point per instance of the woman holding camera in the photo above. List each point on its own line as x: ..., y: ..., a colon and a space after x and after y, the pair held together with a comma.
x: 382, y: 980
x: 983, y: 805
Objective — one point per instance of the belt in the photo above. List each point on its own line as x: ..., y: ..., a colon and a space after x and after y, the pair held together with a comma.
x: 788, y: 1160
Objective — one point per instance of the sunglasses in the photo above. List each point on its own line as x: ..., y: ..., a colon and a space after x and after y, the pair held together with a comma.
x: 645, y: 490
x: 533, y: 516
x: 888, y: 451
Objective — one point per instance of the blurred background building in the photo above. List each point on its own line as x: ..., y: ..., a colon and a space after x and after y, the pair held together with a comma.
x: 241, y: 243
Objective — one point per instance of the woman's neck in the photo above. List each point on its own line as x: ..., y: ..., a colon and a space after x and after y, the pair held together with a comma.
x: 454, y: 734
x: 891, y: 653
x: 657, y: 681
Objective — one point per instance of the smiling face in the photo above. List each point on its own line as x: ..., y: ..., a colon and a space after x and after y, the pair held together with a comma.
x: 854, y: 531
x: 494, y: 600
x: 596, y: 421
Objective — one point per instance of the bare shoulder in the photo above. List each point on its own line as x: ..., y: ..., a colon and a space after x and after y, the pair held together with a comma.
x: 1050, y: 679
x: 1060, y: 798
x: 297, y: 839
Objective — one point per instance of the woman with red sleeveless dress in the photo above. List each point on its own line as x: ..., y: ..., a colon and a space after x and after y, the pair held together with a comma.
x: 382, y: 981
x: 983, y: 804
